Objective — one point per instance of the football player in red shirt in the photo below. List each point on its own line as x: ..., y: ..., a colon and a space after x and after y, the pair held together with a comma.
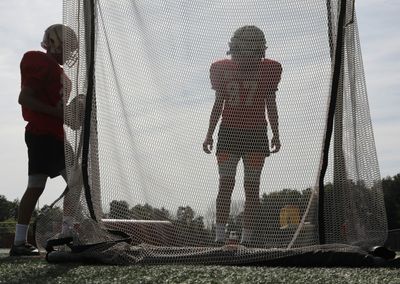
x: 245, y: 88
x: 43, y: 85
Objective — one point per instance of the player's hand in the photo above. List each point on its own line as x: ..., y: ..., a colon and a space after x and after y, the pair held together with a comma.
x: 75, y: 112
x: 208, y: 145
x: 275, y: 144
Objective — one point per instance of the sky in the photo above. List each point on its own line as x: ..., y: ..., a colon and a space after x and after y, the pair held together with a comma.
x: 23, y: 22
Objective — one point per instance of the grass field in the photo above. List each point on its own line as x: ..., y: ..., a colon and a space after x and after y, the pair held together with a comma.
x: 37, y: 270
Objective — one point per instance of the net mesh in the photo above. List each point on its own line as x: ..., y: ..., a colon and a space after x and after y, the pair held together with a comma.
x: 134, y: 153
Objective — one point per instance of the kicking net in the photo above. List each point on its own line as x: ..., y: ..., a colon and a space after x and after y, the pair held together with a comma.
x: 141, y: 187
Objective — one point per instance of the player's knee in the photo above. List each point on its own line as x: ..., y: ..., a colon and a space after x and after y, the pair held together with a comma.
x: 227, y: 164
x: 222, y: 157
x: 227, y: 172
x: 37, y: 181
x: 255, y: 161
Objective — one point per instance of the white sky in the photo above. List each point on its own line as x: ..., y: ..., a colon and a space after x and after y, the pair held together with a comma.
x: 22, y: 24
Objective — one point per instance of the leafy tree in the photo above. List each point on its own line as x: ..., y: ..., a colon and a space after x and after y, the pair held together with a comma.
x: 119, y: 209
x: 8, y: 209
x: 391, y: 191
x: 147, y: 212
x: 184, y: 215
x: 189, y: 229
x: 161, y: 214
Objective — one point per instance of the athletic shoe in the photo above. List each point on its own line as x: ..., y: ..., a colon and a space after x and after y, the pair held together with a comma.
x: 25, y: 249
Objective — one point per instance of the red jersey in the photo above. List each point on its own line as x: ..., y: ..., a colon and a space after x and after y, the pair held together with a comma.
x: 244, y: 96
x: 45, y: 77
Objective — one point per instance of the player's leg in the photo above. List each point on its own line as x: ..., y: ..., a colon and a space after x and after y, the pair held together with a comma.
x: 36, y: 185
x: 21, y: 247
x: 253, y: 164
x: 68, y: 205
x: 72, y: 195
x: 37, y: 170
x: 71, y: 204
x: 45, y: 159
x: 227, y: 164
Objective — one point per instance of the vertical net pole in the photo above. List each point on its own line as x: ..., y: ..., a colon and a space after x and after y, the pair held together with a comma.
x: 335, y: 88
x: 90, y: 26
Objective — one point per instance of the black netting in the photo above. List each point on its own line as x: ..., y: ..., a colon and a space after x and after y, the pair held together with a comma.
x: 151, y: 72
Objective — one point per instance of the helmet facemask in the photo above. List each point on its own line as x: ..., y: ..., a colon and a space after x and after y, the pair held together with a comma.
x: 61, y: 41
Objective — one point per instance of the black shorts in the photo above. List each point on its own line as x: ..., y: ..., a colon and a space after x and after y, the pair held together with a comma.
x: 242, y: 141
x: 45, y: 153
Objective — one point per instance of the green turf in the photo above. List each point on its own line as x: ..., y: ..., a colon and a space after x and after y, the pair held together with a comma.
x: 25, y: 270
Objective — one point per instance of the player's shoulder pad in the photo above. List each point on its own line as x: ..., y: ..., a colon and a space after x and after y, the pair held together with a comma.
x: 217, y: 71
x: 35, y: 55
x: 38, y: 58
x: 223, y: 63
x: 272, y: 64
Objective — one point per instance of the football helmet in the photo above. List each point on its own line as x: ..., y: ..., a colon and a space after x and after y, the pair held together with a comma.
x: 247, y: 41
x: 61, y: 41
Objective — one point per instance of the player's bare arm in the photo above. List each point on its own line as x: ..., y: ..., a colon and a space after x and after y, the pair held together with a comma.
x: 214, y: 118
x: 29, y: 99
x: 273, y: 118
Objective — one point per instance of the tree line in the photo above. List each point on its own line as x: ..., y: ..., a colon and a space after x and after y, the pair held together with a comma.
x: 189, y: 227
